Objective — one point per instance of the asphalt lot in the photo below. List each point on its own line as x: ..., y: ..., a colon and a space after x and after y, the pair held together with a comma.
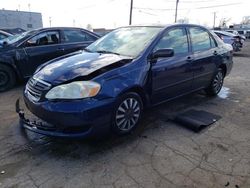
x: 158, y: 154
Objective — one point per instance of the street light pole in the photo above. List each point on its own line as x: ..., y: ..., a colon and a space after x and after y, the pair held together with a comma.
x: 50, y: 21
x: 214, y: 19
x: 176, y: 10
x: 131, y: 12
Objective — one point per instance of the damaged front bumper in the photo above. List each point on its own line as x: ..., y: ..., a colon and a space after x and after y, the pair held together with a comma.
x: 41, y: 127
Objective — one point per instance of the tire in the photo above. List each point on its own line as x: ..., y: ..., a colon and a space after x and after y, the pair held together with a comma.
x: 127, y: 113
x: 7, y: 78
x: 216, y: 83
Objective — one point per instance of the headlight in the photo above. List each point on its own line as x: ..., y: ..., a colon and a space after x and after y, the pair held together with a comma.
x: 74, y: 90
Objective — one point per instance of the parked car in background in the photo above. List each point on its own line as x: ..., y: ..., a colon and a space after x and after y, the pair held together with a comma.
x: 242, y: 37
x: 4, y: 35
x: 110, y: 83
x: 13, y: 31
x: 230, y: 38
x: 21, y: 54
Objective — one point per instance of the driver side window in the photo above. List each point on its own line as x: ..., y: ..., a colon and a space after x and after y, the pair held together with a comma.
x: 46, y: 38
x: 176, y: 39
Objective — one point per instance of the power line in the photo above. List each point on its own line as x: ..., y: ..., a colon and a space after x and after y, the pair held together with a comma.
x: 203, y: 7
x: 224, y: 5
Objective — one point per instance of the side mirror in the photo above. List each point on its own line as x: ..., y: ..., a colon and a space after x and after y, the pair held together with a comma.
x: 168, y: 52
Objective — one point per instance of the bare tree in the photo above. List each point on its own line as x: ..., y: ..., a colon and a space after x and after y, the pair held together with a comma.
x: 224, y: 21
x: 89, y: 27
x: 246, y: 20
x: 183, y: 20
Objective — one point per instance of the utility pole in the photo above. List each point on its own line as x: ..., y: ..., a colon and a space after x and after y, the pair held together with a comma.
x: 131, y: 12
x: 214, y: 19
x: 50, y: 21
x: 176, y: 10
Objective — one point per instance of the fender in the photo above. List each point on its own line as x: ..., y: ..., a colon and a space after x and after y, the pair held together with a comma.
x: 9, y: 60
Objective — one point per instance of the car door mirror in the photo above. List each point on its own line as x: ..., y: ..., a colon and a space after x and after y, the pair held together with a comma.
x: 161, y: 53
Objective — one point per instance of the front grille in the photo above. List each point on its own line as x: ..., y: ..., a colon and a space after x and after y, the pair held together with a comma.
x: 35, y: 88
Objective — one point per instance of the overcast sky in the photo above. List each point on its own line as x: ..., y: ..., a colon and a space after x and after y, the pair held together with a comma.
x: 115, y: 13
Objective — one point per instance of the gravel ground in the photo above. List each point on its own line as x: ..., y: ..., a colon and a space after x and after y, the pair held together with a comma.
x: 158, y: 154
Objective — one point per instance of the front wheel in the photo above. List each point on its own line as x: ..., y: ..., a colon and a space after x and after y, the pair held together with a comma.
x: 216, y: 83
x: 127, y: 113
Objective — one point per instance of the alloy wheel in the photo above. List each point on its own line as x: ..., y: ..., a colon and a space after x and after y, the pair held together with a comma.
x: 127, y: 114
x: 218, y: 82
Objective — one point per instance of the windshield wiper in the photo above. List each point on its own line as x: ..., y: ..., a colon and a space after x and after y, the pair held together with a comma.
x: 87, y: 50
x: 107, y: 52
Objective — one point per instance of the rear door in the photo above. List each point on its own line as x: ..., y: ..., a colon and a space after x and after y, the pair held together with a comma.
x: 172, y: 76
x: 40, y: 49
x: 205, y: 53
x: 76, y: 39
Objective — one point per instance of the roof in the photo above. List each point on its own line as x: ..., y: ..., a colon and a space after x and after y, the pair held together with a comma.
x: 164, y: 26
x: 59, y: 28
x: 5, y: 33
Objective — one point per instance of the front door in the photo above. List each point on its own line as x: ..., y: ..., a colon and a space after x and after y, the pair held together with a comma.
x: 172, y: 76
x: 40, y: 49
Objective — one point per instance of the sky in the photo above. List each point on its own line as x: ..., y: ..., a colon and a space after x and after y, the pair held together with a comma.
x: 115, y: 13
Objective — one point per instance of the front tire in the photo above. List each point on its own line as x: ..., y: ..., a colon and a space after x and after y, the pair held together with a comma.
x: 216, y: 83
x: 7, y: 78
x: 127, y: 113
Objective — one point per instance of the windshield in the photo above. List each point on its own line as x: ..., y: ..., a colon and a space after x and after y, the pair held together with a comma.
x: 15, y: 38
x: 128, y: 41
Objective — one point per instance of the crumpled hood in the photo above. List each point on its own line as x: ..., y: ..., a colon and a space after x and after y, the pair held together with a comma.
x: 76, y: 65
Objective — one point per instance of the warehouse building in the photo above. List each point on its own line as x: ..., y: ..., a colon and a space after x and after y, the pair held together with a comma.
x: 20, y: 19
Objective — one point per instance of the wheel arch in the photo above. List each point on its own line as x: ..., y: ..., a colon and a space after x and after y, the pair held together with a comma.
x: 224, y: 69
x: 141, y: 92
x: 13, y: 68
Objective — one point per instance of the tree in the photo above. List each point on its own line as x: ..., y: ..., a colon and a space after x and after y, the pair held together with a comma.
x: 183, y: 20
x: 89, y: 27
x: 246, y: 20
x: 224, y: 21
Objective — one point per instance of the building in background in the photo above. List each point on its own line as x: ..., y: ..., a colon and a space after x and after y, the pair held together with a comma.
x: 20, y: 19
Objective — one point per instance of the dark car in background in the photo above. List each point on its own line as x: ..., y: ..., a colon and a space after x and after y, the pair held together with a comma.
x: 4, y: 35
x: 230, y: 38
x: 242, y: 37
x: 13, y: 31
x: 109, y: 84
x: 21, y: 54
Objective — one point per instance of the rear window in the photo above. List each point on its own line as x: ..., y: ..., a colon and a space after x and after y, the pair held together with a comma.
x: 200, y: 39
x: 77, y: 36
x: 241, y: 32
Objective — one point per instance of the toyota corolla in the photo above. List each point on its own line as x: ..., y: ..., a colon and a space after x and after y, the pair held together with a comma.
x: 108, y: 85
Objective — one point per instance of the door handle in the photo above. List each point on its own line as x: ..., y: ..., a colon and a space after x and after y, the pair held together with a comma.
x: 215, y: 52
x: 60, y: 49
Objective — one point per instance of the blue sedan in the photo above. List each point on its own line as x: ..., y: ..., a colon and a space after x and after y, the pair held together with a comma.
x: 108, y: 85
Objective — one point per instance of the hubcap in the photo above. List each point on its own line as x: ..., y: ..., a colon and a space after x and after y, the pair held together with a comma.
x: 3, y: 78
x: 127, y: 114
x: 218, y: 82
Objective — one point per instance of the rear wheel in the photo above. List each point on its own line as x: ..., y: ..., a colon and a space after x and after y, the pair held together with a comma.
x: 216, y: 83
x: 7, y: 78
x: 127, y: 113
